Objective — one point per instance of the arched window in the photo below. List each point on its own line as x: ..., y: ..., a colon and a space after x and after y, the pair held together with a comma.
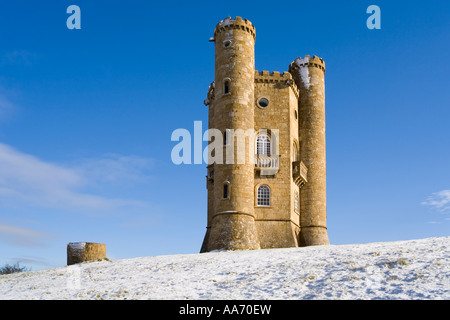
x: 263, y: 144
x: 263, y: 196
x: 226, y: 190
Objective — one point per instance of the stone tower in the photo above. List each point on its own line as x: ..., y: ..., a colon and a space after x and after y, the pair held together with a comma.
x: 309, y: 76
x: 272, y: 193
x: 231, y: 223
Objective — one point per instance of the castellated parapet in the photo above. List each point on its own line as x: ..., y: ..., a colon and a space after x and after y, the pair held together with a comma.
x: 238, y: 23
x: 307, y: 61
x: 281, y: 79
x: 262, y: 203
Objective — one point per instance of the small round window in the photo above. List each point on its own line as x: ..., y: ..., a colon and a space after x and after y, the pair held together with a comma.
x: 227, y: 43
x: 263, y: 102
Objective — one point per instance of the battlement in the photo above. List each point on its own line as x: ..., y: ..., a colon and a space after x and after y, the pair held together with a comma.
x: 274, y: 77
x: 308, y: 61
x: 237, y: 23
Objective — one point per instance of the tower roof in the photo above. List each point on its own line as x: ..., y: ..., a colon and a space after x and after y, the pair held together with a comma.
x: 307, y: 61
x: 237, y: 23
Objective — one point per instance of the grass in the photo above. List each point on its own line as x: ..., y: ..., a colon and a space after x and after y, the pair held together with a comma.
x: 8, y: 269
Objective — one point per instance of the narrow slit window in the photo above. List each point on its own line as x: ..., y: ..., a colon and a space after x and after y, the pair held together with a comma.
x: 295, y: 153
x: 225, y: 191
x: 226, y: 87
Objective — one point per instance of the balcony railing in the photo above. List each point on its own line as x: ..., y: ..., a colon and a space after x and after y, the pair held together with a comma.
x: 267, y: 164
x: 299, y: 173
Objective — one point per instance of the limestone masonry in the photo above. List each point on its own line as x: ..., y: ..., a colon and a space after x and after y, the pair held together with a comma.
x: 78, y: 252
x: 276, y: 198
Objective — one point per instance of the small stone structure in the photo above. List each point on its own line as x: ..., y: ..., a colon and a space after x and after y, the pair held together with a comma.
x: 78, y: 252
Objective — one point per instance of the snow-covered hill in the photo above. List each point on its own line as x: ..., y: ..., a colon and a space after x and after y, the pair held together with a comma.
x: 415, y: 269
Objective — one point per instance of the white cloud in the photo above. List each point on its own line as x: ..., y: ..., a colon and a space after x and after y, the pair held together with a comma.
x: 116, y: 168
x: 22, y: 236
x: 26, y: 260
x: 25, y: 179
x: 439, y: 201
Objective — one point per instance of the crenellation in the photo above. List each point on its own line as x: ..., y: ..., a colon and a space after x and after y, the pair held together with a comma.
x: 276, y: 77
x: 237, y: 23
x: 307, y: 61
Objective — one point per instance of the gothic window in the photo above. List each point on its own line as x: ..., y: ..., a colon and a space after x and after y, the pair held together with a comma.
x: 263, y: 196
x: 263, y: 144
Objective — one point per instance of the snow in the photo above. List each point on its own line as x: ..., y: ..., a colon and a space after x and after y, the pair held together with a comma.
x: 401, y: 270
x: 226, y: 22
x: 303, y: 70
x: 77, y: 246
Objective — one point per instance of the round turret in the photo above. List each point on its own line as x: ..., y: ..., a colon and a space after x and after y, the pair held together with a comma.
x: 232, y: 224
x: 308, y: 74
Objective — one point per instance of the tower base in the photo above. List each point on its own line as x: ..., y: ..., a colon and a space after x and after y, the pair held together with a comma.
x: 204, y: 247
x: 277, y: 234
x: 231, y: 231
x: 313, y: 236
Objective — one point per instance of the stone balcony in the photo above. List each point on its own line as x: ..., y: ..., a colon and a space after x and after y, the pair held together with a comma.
x: 299, y: 173
x: 268, y: 165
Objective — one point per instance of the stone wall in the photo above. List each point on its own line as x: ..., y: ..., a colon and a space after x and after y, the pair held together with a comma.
x: 277, y: 224
x: 78, y: 252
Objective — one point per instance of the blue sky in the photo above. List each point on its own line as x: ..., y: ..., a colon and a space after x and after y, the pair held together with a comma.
x: 86, y: 118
